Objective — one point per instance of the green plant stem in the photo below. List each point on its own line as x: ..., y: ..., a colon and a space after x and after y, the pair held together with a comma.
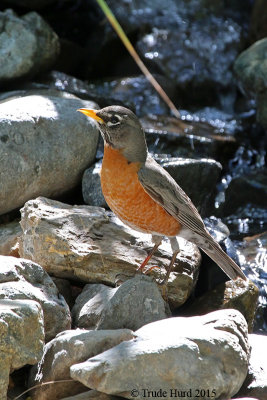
x: 118, y: 29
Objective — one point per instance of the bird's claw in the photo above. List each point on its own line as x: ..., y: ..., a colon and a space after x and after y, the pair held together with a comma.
x: 148, y: 270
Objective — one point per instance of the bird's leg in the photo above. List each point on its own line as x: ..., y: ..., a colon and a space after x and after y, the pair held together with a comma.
x: 169, y: 270
x: 175, y: 251
x: 144, y: 263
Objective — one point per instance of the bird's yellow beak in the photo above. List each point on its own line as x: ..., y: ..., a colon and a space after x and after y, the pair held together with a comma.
x: 91, y: 114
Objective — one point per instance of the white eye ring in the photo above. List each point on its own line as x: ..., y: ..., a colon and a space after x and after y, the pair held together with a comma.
x: 114, y: 120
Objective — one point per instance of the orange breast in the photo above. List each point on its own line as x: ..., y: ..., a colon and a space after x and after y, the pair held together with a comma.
x: 127, y: 198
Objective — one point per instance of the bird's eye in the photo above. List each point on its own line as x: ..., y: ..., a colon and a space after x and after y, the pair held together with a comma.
x: 114, y: 120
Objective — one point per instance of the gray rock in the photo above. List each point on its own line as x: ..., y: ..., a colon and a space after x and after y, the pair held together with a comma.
x: 45, y: 147
x: 68, y: 348
x: 192, y: 175
x: 183, y: 354
x: 88, y: 244
x: 255, y: 384
x: 22, y: 337
x: 133, y: 304
x: 91, y: 187
x: 28, y: 45
x: 9, y: 237
x: 22, y: 279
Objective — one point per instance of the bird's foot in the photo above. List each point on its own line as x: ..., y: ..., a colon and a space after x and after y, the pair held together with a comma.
x: 148, y: 270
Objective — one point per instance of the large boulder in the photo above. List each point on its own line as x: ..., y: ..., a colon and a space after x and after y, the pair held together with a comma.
x: 177, y: 355
x: 28, y: 45
x: 45, y: 147
x: 90, y: 245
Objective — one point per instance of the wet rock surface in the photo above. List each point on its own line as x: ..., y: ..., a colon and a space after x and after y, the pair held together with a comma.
x: 179, y: 138
x: 192, y: 43
x: 200, y: 53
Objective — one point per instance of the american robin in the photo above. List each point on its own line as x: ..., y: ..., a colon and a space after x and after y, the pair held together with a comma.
x: 143, y: 195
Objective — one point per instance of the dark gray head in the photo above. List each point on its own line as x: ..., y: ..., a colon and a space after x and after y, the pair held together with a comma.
x: 121, y: 129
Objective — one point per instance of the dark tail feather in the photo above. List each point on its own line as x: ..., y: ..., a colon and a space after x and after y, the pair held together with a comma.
x: 225, y: 262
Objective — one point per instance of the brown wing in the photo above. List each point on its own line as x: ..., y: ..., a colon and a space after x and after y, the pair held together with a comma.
x: 165, y: 191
